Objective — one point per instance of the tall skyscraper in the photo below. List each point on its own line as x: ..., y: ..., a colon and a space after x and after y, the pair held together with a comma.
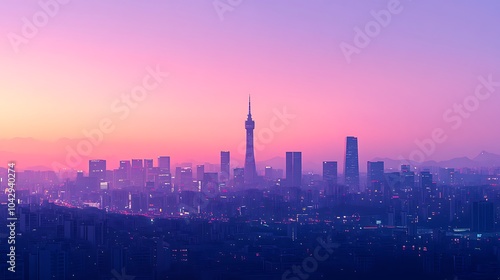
x: 125, y: 166
x: 164, y: 163
x: 164, y: 180
x: 239, y: 177
x: 224, y: 166
x: 250, y: 170
x: 375, y: 176
x: 148, y: 163
x: 137, y: 163
x: 330, y: 171
x: 137, y: 173
x: 351, y: 165
x: 122, y: 174
x: 294, y: 169
x: 200, y: 172
x: 330, y: 176
x: 97, y: 169
x: 149, y: 170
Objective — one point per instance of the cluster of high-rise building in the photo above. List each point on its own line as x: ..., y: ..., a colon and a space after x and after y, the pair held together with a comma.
x: 201, y: 220
x: 145, y: 174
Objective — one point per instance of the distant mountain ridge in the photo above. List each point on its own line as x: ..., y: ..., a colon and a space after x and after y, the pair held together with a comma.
x: 484, y: 159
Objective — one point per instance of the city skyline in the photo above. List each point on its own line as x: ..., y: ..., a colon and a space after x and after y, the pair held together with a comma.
x: 311, y: 81
x: 350, y: 161
x: 351, y: 170
x: 236, y: 140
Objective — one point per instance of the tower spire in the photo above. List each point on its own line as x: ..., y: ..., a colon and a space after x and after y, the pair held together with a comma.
x: 249, y: 106
x: 250, y: 172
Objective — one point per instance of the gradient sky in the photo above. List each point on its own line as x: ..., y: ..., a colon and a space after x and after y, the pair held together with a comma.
x: 283, y: 53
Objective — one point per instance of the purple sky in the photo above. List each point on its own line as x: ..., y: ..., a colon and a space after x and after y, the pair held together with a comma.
x: 394, y: 90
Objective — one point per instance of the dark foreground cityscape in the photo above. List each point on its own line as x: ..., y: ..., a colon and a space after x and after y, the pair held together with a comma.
x: 151, y: 220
